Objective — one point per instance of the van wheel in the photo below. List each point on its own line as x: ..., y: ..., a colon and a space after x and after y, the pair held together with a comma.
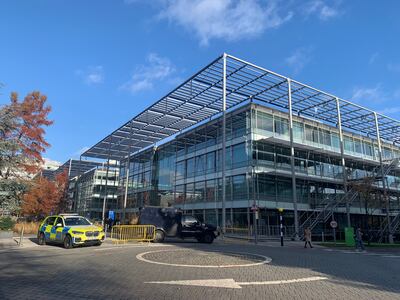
x: 41, y: 239
x: 208, y: 238
x: 68, y: 242
x: 160, y: 236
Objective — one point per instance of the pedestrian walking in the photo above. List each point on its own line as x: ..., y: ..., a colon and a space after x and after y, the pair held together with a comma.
x: 307, y: 237
x: 359, y: 241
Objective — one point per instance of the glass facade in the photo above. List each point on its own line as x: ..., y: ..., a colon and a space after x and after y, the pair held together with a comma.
x: 91, y: 188
x: 185, y: 172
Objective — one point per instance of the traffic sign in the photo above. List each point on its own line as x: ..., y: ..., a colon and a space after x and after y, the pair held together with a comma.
x: 333, y: 224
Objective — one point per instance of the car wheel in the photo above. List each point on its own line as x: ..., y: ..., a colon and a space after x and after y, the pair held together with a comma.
x: 68, y: 242
x: 160, y: 236
x: 41, y: 239
x: 98, y: 244
x: 208, y: 238
x: 200, y: 239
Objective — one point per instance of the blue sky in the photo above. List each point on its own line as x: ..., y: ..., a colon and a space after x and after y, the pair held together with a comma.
x: 102, y: 62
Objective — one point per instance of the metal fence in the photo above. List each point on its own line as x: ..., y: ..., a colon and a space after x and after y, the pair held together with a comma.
x: 263, y: 231
x: 133, y: 233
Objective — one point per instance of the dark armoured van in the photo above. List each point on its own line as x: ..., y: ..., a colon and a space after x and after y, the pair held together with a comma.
x: 171, y: 222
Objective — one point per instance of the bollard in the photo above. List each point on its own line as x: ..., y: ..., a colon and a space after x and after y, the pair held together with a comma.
x: 323, y: 237
x: 281, y: 224
x: 21, y: 236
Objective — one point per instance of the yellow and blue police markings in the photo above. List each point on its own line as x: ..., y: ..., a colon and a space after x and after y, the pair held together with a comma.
x: 72, y: 235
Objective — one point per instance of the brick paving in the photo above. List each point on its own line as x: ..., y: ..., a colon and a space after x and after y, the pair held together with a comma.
x: 115, y: 273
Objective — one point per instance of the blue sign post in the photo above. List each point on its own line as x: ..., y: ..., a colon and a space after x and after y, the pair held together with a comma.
x: 111, y: 215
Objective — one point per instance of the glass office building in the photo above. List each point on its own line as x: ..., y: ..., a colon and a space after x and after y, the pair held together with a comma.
x: 236, y: 136
x: 93, y: 189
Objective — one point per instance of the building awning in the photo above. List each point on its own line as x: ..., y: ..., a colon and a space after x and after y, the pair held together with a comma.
x: 200, y: 98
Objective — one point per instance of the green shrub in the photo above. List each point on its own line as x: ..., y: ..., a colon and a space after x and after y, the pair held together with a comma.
x: 6, y: 223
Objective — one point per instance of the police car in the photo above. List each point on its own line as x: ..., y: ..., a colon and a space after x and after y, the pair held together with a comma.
x: 69, y: 230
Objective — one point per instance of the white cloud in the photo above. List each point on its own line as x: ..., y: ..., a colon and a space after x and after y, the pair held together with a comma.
x: 390, y: 110
x: 224, y: 19
x: 92, y: 75
x: 384, y: 101
x: 299, y: 59
x: 145, y: 76
x: 368, y: 94
x: 322, y: 10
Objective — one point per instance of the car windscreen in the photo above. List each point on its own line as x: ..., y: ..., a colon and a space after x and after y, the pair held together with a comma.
x: 73, y: 221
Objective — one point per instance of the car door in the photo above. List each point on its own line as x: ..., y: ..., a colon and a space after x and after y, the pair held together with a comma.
x: 59, y: 227
x: 49, y: 228
x: 189, y: 226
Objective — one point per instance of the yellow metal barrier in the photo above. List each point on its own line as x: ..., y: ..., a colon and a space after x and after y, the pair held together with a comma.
x: 133, y: 233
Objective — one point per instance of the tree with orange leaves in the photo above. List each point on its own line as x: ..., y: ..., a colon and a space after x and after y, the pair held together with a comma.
x: 46, y: 196
x: 41, y: 199
x: 31, y: 120
x: 22, y: 142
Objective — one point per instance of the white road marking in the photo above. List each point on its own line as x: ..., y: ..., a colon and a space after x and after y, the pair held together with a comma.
x: 391, y: 256
x: 265, y: 260
x: 230, y: 283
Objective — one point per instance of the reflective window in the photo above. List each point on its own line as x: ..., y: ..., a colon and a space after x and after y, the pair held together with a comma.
x: 200, y: 165
x: 211, y: 162
x: 239, y: 156
x: 199, y: 191
x: 368, y: 150
x: 348, y: 144
x: 179, y: 194
x: 50, y: 220
x: 180, y: 170
x: 335, y: 140
x: 265, y: 121
x: 239, y: 187
x: 281, y: 126
x: 189, y: 193
x: 298, y: 131
x: 210, y: 190
x: 190, y: 167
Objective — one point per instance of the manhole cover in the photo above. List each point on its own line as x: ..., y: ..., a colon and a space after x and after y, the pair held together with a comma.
x: 202, y: 259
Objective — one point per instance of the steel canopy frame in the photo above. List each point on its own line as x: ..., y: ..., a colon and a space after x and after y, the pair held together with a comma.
x: 201, y: 97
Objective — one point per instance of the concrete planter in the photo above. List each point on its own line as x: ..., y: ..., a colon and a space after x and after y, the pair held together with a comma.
x: 6, y: 234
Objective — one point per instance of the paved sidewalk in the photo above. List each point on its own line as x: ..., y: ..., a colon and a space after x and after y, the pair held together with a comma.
x: 13, y: 243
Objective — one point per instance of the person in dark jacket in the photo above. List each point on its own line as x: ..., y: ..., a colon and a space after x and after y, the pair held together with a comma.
x: 359, y: 242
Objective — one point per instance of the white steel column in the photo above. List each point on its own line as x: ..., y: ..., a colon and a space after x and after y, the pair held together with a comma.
x: 385, y: 195
x: 126, y: 192
x: 223, y: 154
x: 105, y: 192
x: 343, y: 162
x: 294, y: 191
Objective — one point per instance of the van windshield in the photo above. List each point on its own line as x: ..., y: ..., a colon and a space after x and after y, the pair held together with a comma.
x: 74, y: 221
